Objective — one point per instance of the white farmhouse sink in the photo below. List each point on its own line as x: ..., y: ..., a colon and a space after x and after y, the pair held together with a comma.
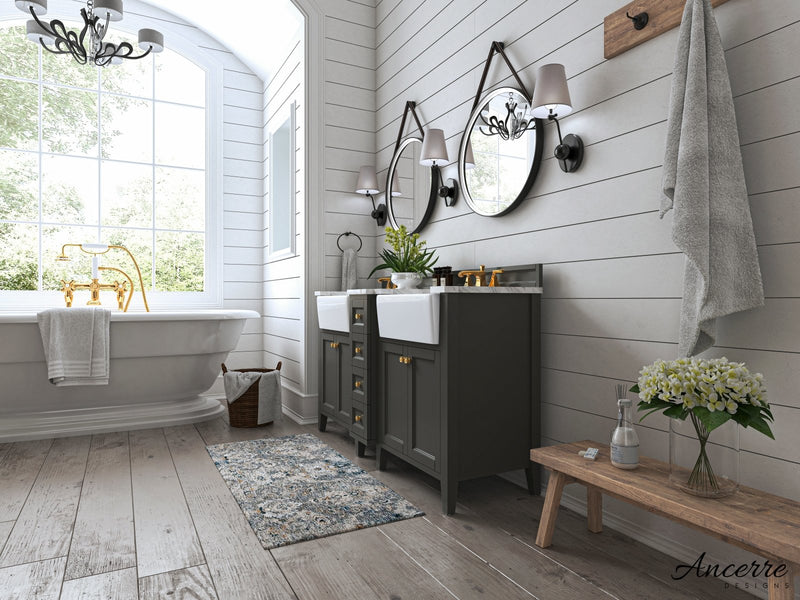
x: 409, y: 317
x: 333, y: 312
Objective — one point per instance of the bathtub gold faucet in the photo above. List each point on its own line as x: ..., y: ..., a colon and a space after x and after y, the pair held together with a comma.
x: 95, y: 287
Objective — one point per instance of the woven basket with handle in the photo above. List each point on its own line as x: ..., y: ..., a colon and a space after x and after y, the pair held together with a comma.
x: 244, y: 411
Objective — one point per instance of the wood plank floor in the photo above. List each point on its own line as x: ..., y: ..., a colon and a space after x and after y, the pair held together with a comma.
x: 145, y: 515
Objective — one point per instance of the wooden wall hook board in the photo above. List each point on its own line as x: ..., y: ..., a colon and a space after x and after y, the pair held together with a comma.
x: 662, y: 15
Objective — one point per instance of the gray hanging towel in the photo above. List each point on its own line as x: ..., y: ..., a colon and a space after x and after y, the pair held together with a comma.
x: 349, y: 259
x: 704, y: 183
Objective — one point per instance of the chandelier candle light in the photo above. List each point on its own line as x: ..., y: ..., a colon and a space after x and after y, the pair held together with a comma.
x: 57, y: 39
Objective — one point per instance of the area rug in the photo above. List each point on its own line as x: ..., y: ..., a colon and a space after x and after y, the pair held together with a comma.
x: 295, y: 488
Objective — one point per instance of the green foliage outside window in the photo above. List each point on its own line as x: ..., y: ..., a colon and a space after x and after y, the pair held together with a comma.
x: 67, y: 204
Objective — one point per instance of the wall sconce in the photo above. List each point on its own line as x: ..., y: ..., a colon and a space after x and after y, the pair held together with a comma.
x: 368, y: 184
x: 434, y: 155
x: 551, y: 100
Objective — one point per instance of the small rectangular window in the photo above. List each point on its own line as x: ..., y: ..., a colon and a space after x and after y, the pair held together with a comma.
x: 282, y: 184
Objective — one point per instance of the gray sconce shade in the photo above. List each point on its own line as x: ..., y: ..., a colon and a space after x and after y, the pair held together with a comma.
x: 434, y: 149
x: 367, y: 181
x: 551, y: 94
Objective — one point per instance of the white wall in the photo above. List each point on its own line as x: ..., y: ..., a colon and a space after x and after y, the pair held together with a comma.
x: 612, y: 276
x: 283, y: 284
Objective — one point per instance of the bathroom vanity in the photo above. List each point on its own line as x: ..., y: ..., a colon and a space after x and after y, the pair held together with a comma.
x: 445, y: 379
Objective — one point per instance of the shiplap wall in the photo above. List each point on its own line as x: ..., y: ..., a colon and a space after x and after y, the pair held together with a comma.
x: 349, y: 134
x: 283, y: 282
x: 612, y: 276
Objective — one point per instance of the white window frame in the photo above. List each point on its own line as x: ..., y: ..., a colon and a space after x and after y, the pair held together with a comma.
x: 287, y: 113
x: 212, y: 294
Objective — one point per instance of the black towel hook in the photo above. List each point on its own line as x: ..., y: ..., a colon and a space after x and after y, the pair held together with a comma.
x: 348, y: 233
x: 639, y: 21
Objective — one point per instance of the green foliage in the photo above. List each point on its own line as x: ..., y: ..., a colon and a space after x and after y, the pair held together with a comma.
x: 408, y: 254
x: 69, y: 126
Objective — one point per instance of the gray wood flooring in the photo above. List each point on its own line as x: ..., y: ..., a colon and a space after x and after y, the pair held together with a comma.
x: 145, y: 514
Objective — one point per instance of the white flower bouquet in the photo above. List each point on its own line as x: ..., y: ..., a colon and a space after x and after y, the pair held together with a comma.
x: 708, y: 391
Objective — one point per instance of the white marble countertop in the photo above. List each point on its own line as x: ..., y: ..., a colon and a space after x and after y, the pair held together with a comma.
x: 438, y: 289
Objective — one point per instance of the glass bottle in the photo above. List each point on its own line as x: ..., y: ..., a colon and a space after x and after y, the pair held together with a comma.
x: 624, y: 440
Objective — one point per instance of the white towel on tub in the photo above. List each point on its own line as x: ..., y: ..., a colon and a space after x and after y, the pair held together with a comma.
x: 270, y: 407
x: 76, y: 345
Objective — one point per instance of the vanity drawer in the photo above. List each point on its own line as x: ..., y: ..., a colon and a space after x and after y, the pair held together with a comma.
x: 359, y: 315
x: 359, y: 419
x: 359, y: 385
x: 360, y: 350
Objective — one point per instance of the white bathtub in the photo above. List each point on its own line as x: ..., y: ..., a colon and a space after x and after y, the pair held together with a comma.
x: 160, y: 364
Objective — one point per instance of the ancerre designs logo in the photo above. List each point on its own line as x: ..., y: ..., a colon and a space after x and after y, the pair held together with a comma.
x: 753, y: 570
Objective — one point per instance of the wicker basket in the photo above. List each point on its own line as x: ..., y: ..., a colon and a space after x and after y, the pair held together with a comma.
x: 244, y: 412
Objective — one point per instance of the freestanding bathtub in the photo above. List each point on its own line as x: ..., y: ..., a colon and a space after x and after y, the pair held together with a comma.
x: 160, y: 364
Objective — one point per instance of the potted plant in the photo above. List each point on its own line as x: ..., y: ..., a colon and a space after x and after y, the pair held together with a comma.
x: 702, y: 396
x: 408, y: 258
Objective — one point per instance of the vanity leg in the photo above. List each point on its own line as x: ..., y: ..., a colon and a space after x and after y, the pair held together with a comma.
x: 782, y: 588
x: 380, y: 458
x: 532, y: 477
x: 449, y: 495
x: 322, y: 423
x: 360, y: 448
x: 547, y: 524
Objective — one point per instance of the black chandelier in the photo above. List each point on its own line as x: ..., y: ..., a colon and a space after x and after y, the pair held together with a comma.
x: 513, y: 126
x: 57, y: 39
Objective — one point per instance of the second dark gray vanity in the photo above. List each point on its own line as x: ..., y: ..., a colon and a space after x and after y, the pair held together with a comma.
x: 463, y: 404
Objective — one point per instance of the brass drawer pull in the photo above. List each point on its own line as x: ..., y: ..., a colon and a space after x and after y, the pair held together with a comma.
x: 358, y: 350
x: 358, y: 385
x: 357, y: 418
x: 334, y: 345
x: 358, y: 316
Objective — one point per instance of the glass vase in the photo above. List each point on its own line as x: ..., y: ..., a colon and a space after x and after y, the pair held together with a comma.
x: 704, y: 463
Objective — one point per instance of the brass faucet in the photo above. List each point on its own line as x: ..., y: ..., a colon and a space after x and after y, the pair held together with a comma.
x: 95, y: 287
x: 388, y: 281
x: 480, y: 277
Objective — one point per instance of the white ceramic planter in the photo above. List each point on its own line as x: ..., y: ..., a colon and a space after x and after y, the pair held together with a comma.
x: 405, y: 281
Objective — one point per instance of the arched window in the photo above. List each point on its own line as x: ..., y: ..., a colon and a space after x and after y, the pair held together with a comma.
x: 114, y: 155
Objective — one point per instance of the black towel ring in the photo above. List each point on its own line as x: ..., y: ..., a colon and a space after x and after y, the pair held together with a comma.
x: 360, y: 241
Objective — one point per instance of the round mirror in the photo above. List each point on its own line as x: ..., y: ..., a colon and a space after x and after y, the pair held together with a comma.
x: 506, y: 151
x: 410, y: 190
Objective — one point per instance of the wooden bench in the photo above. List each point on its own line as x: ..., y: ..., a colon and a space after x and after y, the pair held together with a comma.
x: 762, y: 523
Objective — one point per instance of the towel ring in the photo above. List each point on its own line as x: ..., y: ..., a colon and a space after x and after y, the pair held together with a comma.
x: 348, y: 233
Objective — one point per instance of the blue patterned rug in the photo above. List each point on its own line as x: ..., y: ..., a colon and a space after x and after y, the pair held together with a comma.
x: 295, y: 488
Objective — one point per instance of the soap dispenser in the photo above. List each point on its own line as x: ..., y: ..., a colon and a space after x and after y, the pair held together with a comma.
x: 624, y: 440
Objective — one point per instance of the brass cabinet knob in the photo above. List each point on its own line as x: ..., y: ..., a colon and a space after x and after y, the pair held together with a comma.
x: 406, y: 360
x: 358, y: 385
x: 357, y: 418
x: 358, y: 350
x: 401, y: 359
x: 334, y: 345
x: 358, y: 316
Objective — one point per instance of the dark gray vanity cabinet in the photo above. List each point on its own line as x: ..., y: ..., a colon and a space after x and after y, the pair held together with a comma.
x: 345, y: 380
x: 469, y: 406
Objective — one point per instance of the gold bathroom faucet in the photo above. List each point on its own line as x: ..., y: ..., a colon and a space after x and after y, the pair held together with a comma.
x: 95, y: 287
x: 480, y: 277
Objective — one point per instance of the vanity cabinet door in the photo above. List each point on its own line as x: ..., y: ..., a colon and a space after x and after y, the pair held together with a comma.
x: 345, y: 403
x: 424, y: 406
x: 336, y: 372
x: 393, y: 397
x: 329, y: 384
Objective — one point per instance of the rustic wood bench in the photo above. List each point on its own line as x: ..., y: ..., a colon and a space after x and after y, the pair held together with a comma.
x: 762, y: 523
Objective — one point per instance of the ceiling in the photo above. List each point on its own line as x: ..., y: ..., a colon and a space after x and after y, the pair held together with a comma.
x: 257, y: 31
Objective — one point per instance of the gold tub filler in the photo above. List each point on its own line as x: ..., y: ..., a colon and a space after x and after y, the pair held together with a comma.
x: 95, y: 287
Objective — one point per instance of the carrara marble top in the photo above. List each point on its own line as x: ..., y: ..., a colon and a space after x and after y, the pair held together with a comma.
x: 438, y: 289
